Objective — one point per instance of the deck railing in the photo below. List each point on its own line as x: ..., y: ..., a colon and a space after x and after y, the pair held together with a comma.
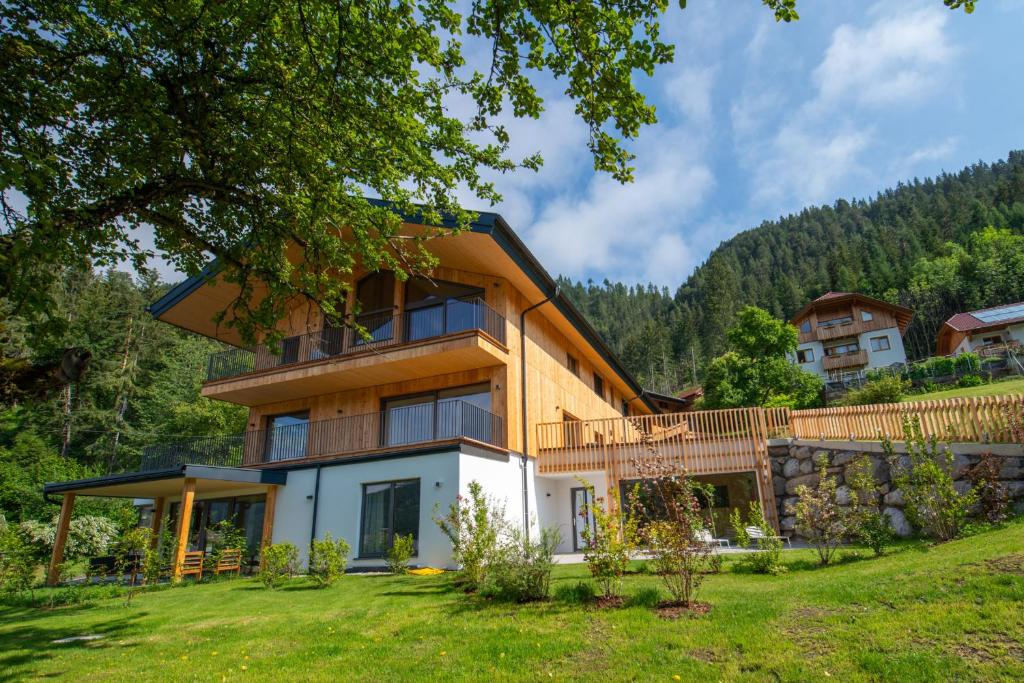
x: 396, y: 428
x: 983, y: 419
x: 382, y: 331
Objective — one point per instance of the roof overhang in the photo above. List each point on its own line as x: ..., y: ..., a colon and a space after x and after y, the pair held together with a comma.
x: 168, y: 482
x: 902, y: 314
x: 533, y: 281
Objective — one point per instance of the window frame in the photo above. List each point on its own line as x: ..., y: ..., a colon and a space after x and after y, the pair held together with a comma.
x: 572, y: 363
x: 866, y: 316
x: 362, y: 555
x: 805, y: 326
x: 268, y: 429
x: 599, y: 387
x: 808, y: 356
x: 883, y: 338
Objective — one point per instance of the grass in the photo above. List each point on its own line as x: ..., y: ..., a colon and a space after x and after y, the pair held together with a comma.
x: 954, y: 611
x: 1010, y: 386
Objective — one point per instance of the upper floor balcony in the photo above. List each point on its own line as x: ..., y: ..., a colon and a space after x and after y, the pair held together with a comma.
x: 455, y: 335
x: 852, y: 359
x: 396, y: 429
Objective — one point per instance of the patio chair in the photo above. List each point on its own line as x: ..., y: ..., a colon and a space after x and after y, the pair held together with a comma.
x: 230, y: 560
x: 756, y: 534
x: 192, y: 565
x: 704, y: 536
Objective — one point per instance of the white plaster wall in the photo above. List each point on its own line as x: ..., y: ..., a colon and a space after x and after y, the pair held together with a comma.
x: 882, y: 359
x: 816, y: 366
x: 501, y: 480
x: 555, y: 502
x: 340, y: 504
x: 1016, y: 332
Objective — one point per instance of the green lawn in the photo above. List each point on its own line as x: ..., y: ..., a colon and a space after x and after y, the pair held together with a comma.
x: 954, y: 611
x: 1010, y: 386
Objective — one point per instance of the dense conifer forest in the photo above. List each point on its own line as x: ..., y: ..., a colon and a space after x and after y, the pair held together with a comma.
x: 923, y: 244
x: 938, y: 246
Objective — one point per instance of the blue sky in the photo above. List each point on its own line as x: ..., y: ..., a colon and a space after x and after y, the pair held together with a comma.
x: 759, y: 119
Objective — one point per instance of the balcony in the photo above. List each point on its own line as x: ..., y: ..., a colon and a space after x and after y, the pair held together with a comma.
x: 387, y: 431
x: 449, y: 337
x: 845, y: 360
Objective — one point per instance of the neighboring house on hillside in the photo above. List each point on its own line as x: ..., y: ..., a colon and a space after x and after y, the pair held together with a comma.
x: 844, y: 334
x: 461, y: 375
x: 985, y: 329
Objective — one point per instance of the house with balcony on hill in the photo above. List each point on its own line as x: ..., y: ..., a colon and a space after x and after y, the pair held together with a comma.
x: 482, y: 372
x: 987, y: 331
x: 841, y: 335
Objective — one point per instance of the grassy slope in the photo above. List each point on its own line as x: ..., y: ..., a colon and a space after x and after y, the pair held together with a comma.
x: 919, y: 613
x: 1012, y: 386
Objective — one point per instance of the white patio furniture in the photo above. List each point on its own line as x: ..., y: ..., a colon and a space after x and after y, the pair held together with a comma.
x: 756, y: 534
x: 704, y: 536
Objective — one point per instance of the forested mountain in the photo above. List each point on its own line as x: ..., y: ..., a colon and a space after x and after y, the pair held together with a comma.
x: 919, y: 244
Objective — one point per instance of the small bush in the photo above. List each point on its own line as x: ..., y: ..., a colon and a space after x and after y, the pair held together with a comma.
x: 993, y: 497
x: 17, y: 563
x: 521, y: 570
x: 579, y: 593
x: 88, y: 536
x: 932, y: 504
x: 886, y: 389
x: 327, y: 560
x: 819, y: 517
x: 400, y: 553
x: 473, y: 525
x: 611, y: 542
x: 866, y: 522
x: 768, y: 558
x: 970, y: 381
x: 277, y: 563
x: 968, y: 362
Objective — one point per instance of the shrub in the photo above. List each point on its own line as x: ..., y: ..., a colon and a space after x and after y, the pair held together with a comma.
x: 931, y: 502
x: 887, y: 389
x: 130, y: 551
x: 327, y: 560
x: 88, y: 536
x: 970, y: 381
x: 819, y: 517
x: 611, y: 542
x: 679, y: 557
x: 277, y: 563
x: 867, y: 523
x: 521, y: 570
x: 473, y: 525
x: 399, y: 554
x: 767, y: 559
x: 993, y: 497
x: 225, y: 535
x: 17, y: 562
x: 968, y: 362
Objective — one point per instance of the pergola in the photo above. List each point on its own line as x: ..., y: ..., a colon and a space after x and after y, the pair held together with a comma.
x: 184, y: 482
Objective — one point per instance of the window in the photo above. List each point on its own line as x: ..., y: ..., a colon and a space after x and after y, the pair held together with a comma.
x: 989, y: 341
x: 289, y: 351
x: 880, y: 344
x: 866, y: 316
x: 445, y: 414
x: 286, y: 436
x: 435, y: 307
x: 805, y: 326
x: 805, y: 355
x: 389, y: 508
x: 842, y: 349
x: 845, y: 320
x: 376, y: 296
x: 598, y: 385
x: 719, y: 497
x: 625, y: 408
x: 573, y: 364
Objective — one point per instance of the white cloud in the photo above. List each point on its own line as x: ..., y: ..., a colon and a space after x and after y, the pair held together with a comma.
x: 689, y: 92
x: 936, y: 152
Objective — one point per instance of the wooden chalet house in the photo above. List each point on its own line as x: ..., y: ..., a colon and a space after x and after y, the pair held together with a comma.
x: 486, y: 372
x: 986, y: 331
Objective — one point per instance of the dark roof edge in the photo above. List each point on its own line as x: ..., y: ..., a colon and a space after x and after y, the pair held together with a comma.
x: 488, y: 223
x: 236, y: 474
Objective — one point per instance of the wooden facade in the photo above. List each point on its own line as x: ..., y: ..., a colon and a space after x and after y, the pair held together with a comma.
x: 815, y: 321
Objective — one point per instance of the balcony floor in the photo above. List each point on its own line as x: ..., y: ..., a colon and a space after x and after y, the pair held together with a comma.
x: 465, y: 351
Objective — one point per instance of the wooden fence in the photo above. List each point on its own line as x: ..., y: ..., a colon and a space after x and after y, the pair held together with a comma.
x: 984, y: 419
x: 777, y: 422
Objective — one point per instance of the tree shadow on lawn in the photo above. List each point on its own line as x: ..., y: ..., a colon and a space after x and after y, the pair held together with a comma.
x: 31, y: 644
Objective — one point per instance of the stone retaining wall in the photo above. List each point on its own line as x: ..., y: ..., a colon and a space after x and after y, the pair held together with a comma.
x: 794, y: 463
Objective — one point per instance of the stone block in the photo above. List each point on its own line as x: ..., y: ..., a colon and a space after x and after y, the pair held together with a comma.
x: 807, y: 466
x: 894, y: 498
x: 961, y: 463
x: 791, y: 468
x: 899, y: 522
x: 962, y: 486
x: 844, y: 495
x: 779, y: 484
x: 789, y: 505
x: 843, y: 457
x: 787, y: 523
x: 809, y: 480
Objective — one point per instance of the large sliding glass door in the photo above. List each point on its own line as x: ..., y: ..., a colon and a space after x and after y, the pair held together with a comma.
x: 389, y: 508
x: 444, y: 414
x: 434, y: 308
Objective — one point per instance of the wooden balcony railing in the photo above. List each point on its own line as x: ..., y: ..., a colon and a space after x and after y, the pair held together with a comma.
x: 392, y: 429
x: 845, y: 360
x: 383, y: 331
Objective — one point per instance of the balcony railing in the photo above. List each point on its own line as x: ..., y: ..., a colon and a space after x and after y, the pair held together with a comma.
x: 395, y: 428
x: 382, y: 331
x: 845, y: 360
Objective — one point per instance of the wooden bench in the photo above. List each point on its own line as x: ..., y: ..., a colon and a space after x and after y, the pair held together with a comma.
x: 192, y: 565
x: 230, y: 560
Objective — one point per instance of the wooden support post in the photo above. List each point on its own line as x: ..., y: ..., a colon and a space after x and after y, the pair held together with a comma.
x: 268, y: 520
x: 158, y: 517
x: 188, y: 494
x: 64, y: 522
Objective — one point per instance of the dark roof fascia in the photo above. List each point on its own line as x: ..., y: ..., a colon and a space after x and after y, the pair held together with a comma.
x: 342, y: 460
x: 233, y: 474
x: 848, y: 296
x: 487, y: 223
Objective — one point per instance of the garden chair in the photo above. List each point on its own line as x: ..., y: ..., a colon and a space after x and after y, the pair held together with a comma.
x: 756, y: 534
x: 704, y: 536
x: 192, y: 565
x: 230, y: 560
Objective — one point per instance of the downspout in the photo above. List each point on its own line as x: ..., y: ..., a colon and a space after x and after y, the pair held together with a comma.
x: 522, y: 394
x: 316, y: 505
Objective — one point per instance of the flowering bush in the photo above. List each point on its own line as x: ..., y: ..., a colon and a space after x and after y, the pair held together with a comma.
x: 611, y: 542
x: 473, y: 525
x: 818, y: 515
x: 521, y: 568
x: 866, y: 522
x: 768, y: 558
x: 327, y: 560
x: 88, y: 536
x: 400, y: 553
